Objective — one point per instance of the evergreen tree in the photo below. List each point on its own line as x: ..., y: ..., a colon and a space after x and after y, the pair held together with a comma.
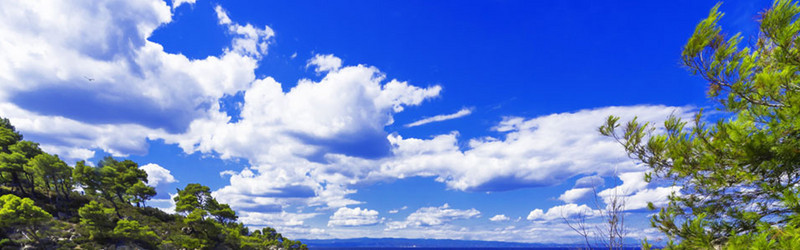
x: 192, y: 197
x: 97, y: 219
x: 739, y: 176
x: 21, y: 213
x: 140, y: 193
x: 53, y: 174
x: 131, y: 229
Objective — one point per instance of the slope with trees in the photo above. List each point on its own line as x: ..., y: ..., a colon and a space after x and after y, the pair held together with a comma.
x: 40, y: 208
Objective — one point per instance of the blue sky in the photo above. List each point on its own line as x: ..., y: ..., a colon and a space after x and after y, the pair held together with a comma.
x: 341, y: 119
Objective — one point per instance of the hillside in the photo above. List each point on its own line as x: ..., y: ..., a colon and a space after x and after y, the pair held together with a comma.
x: 39, y: 207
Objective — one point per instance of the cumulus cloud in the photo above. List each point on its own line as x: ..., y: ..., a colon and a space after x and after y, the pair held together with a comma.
x: 324, y: 63
x: 461, y: 113
x: 589, y: 182
x: 330, y: 131
x: 433, y: 216
x: 584, y: 188
x: 658, y: 196
x: 248, y: 39
x: 178, y: 3
x: 499, y: 217
x: 353, y: 217
x: 95, y: 56
x: 636, y: 192
x: 562, y: 211
x: 534, y: 152
x: 575, y: 194
x: 157, y: 175
x: 293, y: 156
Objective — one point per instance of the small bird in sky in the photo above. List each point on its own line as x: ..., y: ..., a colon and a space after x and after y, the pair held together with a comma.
x: 88, y: 78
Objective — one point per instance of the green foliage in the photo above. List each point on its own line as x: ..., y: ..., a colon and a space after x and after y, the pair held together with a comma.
x: 222, y: 212
x: 196, y: 216
x: 738, y: 176
x: 180, y: 241
x: 110, y: 190
x: 21, y: 213
x: 128, y: 229
x: 196, y: 196
x: 192, y: 197
x: 117, y: 176
x: 8, y: 135
x: 140, y: 192
x: 87, y: 177
x: 97, y: 219
x: 12, y: 166
x: 53, y: 174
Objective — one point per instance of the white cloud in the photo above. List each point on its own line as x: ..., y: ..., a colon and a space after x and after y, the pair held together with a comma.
x: 394, y: 211
x: 178, y: 3
x: 353, y: 217
x: 658, y: 196
x: 461, y: 113
x: 274, y: 220
x: 324, y: 63
x: 636, y: 192
x: 248, y: 39
x: 536, y: 214
x: 318, y: 132
x: 283, y: 148
x: 585, y: 187
x: 575, y: 194
x: 96, y: 56
x: 157, y: 175
x: 222, y: 15
x: 562, y: 211
x: 534, y: 152
x: 589, y: 182
x: 69, y: 154
x: 499, y: 217
x: 433, y: 216
x: 522, y: 232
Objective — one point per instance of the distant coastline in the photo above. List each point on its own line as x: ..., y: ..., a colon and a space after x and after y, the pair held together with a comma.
x: 429, y: 244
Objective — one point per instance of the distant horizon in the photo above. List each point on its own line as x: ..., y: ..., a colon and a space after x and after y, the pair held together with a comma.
x: 434, y: 243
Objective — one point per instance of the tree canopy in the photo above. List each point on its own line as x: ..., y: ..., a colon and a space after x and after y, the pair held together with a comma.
x: 195, y: 196
x: 739, y: 175
x: 21, y: 213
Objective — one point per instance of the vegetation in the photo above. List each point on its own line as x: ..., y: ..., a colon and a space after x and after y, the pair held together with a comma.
x: 739, y: 176
x: 39, y: 207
